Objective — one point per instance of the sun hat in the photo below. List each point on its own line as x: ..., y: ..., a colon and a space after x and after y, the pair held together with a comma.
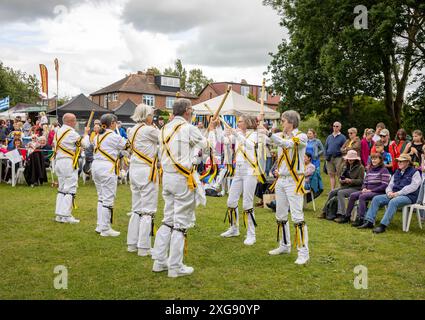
x: 352, y: 155
x: 384, y: 132
x: 404, y: 157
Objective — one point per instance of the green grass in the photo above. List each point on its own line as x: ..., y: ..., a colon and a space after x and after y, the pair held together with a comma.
x: 31, y: 245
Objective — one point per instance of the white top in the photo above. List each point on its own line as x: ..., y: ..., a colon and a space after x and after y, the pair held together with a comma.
x: 286, y: 142
x: 246, y: 143
x: 182, y: 145
x: 146, y: 142
x: 68, y: 142
x: 112, y: 145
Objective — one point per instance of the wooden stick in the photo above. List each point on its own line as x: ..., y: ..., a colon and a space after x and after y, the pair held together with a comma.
x: 90, y: 119
x: 222, y: 103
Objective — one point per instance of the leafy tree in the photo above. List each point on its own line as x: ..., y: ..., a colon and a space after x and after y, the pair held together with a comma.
x: 18, y: 85
x: 197, y: 81
x: 178, y: 71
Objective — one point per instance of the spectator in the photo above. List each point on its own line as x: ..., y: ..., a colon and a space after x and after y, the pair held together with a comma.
x: 53, y: 129
x: 415, y: 148
x: 351, y: 181
x: 43, y: 119
x: 402, y: 190
x: 314, y: 147
x: 352, y: 143
x: 3, y: 130
x: 386, y: 156
x: 45, y: 149
x: 379, y: 127
x: 27, y: 127
x: 375, y: 182
x: 310, y: 168
x: 161, y: 122
x: 385, y: 139
x: 366, y: 145
x: 397, y: 146
x: 201, y: 128
x: 333, y: 154
x: 120, y: 130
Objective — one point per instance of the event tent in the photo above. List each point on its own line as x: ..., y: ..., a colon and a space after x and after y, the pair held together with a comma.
x: 125, y: 111
x: 235, y: 105
x: 81, y: 106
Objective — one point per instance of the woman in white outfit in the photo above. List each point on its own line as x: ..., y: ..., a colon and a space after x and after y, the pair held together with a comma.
x: 143, y: 139
x: 105, y: 170
x: 247, y: 173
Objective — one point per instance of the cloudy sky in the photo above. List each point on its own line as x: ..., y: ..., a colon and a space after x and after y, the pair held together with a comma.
x: 100, y: 41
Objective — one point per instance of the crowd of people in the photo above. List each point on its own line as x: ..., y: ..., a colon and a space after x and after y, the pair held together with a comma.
x: 192, y: 161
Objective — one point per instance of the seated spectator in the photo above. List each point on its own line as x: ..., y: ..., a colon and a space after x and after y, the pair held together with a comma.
x: 351, y: 181
x: 310, y: 168
x: 386, y: 156
x: 375, y: 183
x: 402, y: 190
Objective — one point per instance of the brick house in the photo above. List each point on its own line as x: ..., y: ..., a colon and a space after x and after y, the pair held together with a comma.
x: 215, y: 89
x: 155, y: 90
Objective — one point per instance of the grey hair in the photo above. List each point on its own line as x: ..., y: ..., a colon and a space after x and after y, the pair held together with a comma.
x: 106, y: 121
x: 141, y: 112
x: 180, y: 106
x: 251, y: 122
x: 292, y: 117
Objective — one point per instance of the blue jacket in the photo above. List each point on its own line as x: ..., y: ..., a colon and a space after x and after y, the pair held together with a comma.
x: 333, y: 145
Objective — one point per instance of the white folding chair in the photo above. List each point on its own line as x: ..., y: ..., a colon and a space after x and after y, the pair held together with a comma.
x: 310, y: 191
x: 408, y: 212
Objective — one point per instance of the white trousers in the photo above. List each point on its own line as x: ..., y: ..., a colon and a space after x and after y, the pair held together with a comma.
x: 243, y: 184
x: 106, y: 186
x: 287, y: 200
x: 144, y: 206
x: 179, y: 215
x: 68, y: 183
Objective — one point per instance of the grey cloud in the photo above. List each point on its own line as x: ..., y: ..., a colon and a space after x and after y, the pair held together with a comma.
x: 25, y: 10
x: 235, y: 33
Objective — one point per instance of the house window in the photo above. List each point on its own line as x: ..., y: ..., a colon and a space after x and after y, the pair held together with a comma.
x: 169, y: 101
x: 259, y: 94
x: 149, y: 100
x: 170, y: 82
x: 105, y: 100
x: 115, y: 97
x: 244, y: 91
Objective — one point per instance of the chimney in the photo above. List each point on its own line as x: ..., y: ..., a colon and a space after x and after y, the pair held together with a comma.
x: 150, y: 76
x: 243, y: 81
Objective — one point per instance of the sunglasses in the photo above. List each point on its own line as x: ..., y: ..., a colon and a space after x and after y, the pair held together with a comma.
x: 336, y: 126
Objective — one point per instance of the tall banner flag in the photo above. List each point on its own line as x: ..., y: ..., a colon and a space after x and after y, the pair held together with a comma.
x: 57, y: 70
x: 44, y: 79
x: 4, y: 104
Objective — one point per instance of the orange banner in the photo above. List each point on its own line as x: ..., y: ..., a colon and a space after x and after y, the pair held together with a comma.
x: 44, y: 79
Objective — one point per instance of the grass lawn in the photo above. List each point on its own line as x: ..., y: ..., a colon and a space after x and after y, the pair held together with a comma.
x: 32, y: 244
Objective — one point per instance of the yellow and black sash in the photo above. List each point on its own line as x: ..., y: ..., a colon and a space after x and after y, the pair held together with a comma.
x: 152, y: 162
x: 254, y: 164
x: 188, y: 173
x: 59, y: 147
x: 299, y: 179
x: 108, y: 157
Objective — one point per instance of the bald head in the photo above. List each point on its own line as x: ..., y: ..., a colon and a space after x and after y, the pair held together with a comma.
x: 69, y: 119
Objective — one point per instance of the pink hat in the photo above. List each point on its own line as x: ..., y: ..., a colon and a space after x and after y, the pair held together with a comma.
x: 352, y: 155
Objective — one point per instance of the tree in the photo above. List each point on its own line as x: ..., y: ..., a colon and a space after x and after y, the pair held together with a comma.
x: 18, y: 85
x: 328, y: 61
x: 197, y: 81
x: 178, y: 71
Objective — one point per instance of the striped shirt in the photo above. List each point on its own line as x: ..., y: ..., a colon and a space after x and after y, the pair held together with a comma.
x: 377, y: 179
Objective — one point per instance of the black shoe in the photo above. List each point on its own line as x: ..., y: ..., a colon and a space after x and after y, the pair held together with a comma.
x: 342, y: 219
x: 322, y: 215
x: 331, y: 218
x: 380, y: 229
x: 366, y: 225
x: 357, y: 223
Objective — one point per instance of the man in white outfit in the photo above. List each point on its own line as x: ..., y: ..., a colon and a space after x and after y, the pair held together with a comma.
x: 66, y: 152
x: 290, y: 185
x: 105, y: 170
x: 143, y: 139
x: 178, y: 140
x: 247, y: 173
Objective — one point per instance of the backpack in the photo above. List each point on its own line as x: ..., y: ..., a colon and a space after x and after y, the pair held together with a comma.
x: 331, y: 208
x: 212, y: 193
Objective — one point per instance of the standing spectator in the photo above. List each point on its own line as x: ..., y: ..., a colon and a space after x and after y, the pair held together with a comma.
x: 415, y: 148
x: 402, y: 190
x: 27, y: 127
x: 45, y: 149
x: 375, y: 182
x: 119, y: 130
x: 397, y: 146
x: 53, y: 129
x: 3, y: 130
x: 333, y: 154
x: 385, y: 139
x: 351, y: 181
x: 161, y: 122
x: 379, y: 127
x: 43, y: 119
x: 366, y: 145
x: 386, y: 156
x: 314, y: 147
x: 352, y: 143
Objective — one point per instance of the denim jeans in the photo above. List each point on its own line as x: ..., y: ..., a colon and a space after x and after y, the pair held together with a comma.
x: 393, y: 204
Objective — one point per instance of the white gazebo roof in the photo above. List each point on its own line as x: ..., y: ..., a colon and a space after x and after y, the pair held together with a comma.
x: 235, y: 105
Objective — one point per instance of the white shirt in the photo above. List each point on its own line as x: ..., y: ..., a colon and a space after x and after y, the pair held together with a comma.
x: 68, y: 142
x: 286, y: 142
x: 246, y: 143
x: 112, y: 145
x: 182, y: 145
x: 146, y: 142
